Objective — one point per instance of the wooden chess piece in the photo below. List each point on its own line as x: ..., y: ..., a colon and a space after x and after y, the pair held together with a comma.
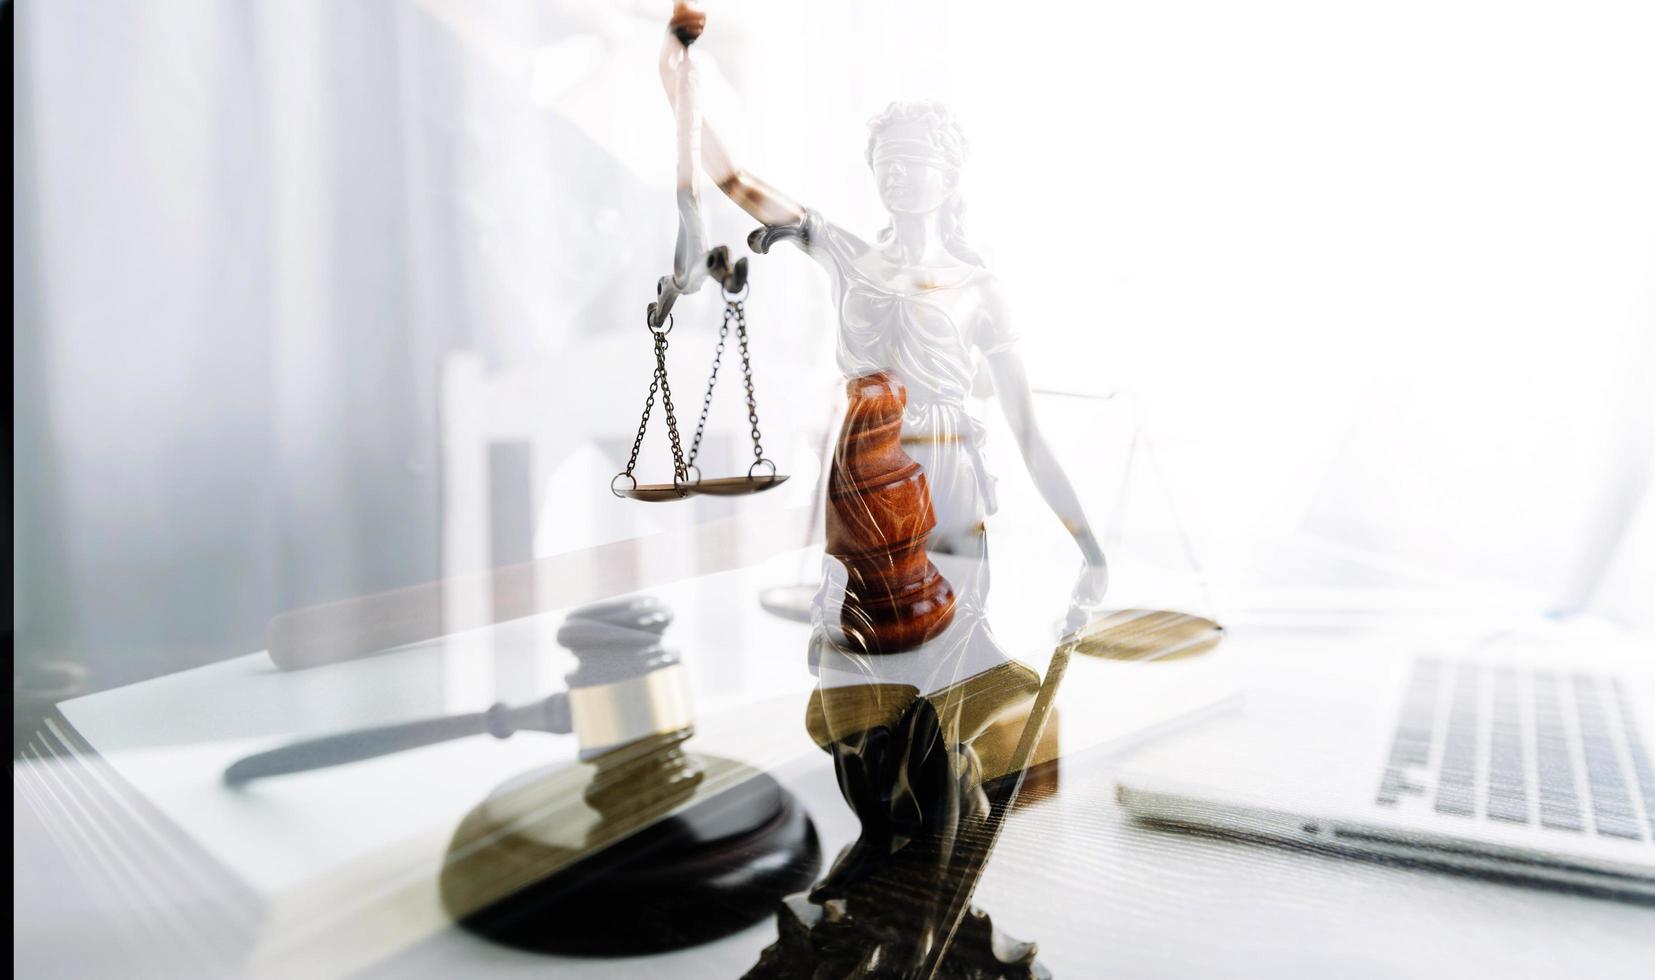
x: 879, y: 519
x: 641, y: 846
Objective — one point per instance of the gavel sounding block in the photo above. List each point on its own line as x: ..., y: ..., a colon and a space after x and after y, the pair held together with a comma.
x: 536, y: 867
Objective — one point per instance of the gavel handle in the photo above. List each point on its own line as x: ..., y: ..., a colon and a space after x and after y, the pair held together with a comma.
x: 500, y: 720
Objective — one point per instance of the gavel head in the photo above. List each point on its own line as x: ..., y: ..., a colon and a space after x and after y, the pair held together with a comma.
x: 628, y: 685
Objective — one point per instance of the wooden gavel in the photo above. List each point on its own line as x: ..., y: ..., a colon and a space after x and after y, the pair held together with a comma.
x: 627, y: 687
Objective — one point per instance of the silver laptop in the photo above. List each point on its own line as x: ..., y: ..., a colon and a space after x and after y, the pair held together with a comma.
x: 1538, y: 770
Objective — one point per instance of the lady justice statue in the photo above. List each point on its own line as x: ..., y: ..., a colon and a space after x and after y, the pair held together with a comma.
x: 915, y: 695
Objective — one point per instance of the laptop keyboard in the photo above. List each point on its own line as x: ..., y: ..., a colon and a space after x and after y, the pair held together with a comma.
x: 1550, y: 748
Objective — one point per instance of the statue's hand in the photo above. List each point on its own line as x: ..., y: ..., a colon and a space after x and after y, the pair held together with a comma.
x: 1086, y: 599
x: 762, y: 238
x: 688, y: 21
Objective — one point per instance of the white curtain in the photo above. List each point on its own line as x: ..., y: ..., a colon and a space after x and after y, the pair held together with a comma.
x: 247, y: 234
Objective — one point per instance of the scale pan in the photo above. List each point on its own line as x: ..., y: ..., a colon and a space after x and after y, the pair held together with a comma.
x: 1148, y: 634
x: 658, y: 492
x: 736, y: 486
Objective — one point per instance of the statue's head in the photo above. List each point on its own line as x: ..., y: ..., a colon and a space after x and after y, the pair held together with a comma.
x: 916, y: 150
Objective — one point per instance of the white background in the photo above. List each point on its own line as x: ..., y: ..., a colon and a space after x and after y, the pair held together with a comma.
x: 1382, y: 273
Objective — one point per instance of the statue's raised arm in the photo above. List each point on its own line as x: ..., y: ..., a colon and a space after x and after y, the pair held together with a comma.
x: 751, y: 194
x: 692, y: 261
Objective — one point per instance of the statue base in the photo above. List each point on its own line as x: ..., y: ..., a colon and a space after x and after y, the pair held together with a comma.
x: 831, y: 941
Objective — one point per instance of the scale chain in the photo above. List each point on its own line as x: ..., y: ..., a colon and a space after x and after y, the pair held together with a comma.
x: 643, y: 426
x: 733, y: 310
x: 747, y: 376
x: 658, y: 383
x: 681, y: 472
x: 712, y: 381
x: 659, y: 386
